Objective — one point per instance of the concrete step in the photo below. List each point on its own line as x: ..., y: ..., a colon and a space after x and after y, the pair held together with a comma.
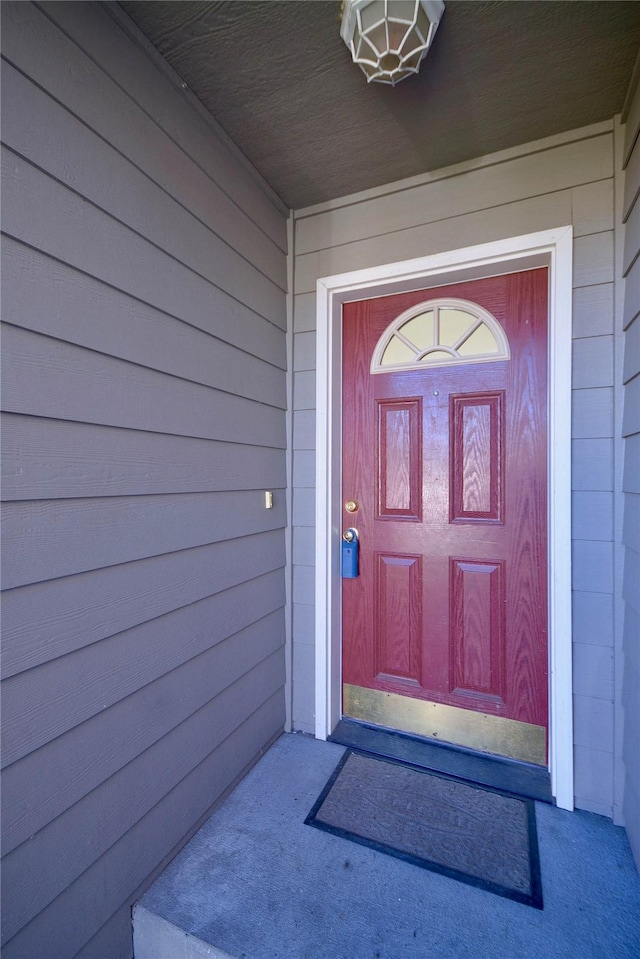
x: 256, y: 882
x: 155, y: 938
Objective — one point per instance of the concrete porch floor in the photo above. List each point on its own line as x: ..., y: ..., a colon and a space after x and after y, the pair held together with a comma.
x: 256, y: 883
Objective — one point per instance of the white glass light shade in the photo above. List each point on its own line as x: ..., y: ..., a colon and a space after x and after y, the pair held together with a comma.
x: 389, y: 38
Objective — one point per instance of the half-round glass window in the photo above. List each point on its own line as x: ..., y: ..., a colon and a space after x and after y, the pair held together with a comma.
x: 440, y: 333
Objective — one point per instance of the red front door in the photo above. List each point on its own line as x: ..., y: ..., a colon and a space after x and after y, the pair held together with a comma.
x: 445, y: 462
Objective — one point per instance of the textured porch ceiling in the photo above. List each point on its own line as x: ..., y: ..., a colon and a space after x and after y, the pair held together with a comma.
x: 279, y: 80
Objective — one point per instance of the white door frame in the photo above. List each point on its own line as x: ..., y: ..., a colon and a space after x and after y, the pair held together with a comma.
x: 551, y: 248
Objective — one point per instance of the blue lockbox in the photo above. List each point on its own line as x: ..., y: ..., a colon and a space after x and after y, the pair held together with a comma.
x: 349, y: 564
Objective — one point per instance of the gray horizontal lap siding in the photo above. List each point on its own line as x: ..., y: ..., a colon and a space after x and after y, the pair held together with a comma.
x: 144, y: 393
x: 631, y: 476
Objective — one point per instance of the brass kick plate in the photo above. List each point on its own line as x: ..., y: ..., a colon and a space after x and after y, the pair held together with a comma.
x: 451, y: 724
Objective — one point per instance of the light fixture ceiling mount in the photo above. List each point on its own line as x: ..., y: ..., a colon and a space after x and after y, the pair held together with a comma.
x: 389, y: 38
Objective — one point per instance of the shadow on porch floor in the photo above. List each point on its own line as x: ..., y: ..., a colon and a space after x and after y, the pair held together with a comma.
x: 256, y: 883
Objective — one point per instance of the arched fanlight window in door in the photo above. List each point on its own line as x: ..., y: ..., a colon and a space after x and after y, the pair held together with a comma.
x: 440, y: 332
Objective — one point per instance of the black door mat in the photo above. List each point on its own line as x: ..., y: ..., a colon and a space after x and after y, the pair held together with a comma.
x: 509, y: 775
x: 479, y: 836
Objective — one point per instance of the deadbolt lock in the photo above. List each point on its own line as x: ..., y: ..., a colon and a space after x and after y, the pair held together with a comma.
x: 351, y: 506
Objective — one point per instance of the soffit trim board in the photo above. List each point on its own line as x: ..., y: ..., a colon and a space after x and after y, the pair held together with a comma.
x: 634, y: 82
x: 630, y: 114
x: 460, y: 169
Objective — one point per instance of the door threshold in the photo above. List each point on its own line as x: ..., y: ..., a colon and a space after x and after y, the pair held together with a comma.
x: 509, y: 775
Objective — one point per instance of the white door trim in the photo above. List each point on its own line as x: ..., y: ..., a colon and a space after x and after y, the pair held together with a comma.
x: 552, y: 248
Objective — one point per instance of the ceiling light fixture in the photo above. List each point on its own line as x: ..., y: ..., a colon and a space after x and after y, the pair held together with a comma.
x: 389, y: 38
